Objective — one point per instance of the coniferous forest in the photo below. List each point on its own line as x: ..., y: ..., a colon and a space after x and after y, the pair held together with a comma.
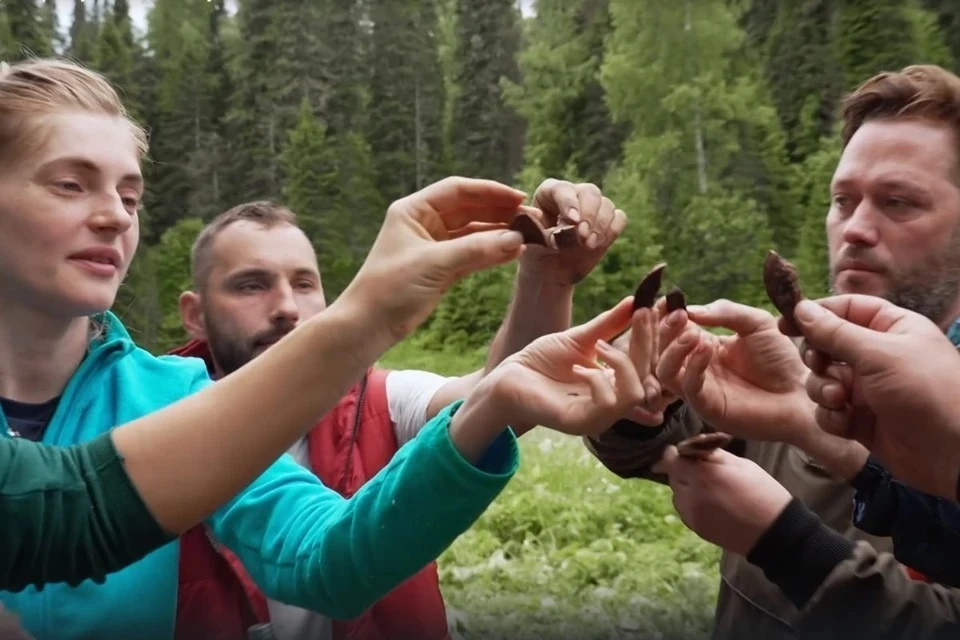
x: 712, y: 123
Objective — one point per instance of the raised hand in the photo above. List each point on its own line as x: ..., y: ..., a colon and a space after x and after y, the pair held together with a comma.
x: 884, y: 376
x: 557, y: 381
x: 599, y: 223
x: 428, y: 241
x: 750, y: 385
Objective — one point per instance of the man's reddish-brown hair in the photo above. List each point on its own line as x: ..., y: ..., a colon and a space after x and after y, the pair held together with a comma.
x: 925, y: 92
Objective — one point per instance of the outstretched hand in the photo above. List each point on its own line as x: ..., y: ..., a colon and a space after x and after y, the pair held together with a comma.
x: 559, y: 382
x: 750, y: 384
x: 431, y: 239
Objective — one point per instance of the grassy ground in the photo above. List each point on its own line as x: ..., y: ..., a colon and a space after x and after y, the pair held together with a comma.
x: 571, y: 551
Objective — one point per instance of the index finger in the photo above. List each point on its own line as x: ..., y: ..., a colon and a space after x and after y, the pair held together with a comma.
x: 489, y: 200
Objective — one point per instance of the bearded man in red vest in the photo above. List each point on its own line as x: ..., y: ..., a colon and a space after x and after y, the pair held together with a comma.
x: 255, y: 277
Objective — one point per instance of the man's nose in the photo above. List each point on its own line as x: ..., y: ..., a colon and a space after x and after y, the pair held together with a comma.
x: 285, y: 305
x: 861, y: 229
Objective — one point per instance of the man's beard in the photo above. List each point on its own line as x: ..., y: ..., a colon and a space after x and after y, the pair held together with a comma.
x: 230, y: 353
x: 930, y: 288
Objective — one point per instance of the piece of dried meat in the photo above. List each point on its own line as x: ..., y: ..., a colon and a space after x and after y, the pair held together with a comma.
x: 702, y: 444
x: 676, y: 299
x: 531, y: 229
x: 783, y: 287
x: 649, y: 287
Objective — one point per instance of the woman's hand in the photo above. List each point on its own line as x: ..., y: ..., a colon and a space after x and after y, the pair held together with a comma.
x: 557, y: 382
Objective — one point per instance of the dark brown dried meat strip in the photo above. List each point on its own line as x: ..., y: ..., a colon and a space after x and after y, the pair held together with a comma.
x: 702, y: 444
x: 783, y: 287
x: 563, y: 236
x: 676, y: 299
x: 531, y: 229
x: 646, y: 293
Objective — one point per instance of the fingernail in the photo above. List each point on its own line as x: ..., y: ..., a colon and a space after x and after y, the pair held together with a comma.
x: 573, y: 215
x: 593, y: 240
x: 808, y: 311
x: 583, y: 229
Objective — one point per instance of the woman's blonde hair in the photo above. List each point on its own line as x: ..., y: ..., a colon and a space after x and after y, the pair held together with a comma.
x: 42, y: 87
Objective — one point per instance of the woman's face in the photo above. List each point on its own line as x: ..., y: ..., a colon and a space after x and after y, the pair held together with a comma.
x: 68, y: 215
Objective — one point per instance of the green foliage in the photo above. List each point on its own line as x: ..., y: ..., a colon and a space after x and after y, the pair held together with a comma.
x: 569, y: 130
x: 812, y: 257
x: 485, y: 134
x: 407, y: 96
x: 874, y: 36
x: 27, y: 30
x: 569, y: 550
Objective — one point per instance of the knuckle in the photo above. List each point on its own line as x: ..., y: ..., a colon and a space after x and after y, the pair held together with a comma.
x: 590, y: 188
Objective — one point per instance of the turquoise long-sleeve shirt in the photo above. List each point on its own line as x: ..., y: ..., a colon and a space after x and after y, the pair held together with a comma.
x: 301, y: 542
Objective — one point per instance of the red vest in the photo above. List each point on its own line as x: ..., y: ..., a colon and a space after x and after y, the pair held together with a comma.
x: 217, y: 600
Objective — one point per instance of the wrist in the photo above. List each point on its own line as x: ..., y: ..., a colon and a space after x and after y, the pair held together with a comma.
x: 535, y: 276
x: 476, y: 424
x: 359, y: 309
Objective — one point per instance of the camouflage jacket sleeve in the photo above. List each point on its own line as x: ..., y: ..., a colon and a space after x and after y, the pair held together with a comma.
x: 630, y: 450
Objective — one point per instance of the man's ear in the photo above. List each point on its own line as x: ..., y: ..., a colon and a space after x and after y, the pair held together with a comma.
x: 191, y: 315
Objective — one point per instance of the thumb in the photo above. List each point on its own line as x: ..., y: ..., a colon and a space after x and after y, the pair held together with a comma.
x: 605, y: 326
x: 828, y: 333
x: 477, y: 251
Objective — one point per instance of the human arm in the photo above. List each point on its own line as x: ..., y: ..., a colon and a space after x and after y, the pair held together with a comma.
x: 841, y: 588
x: 925, y: 529
x: 846, y: 589
x: 77, y: 514
x: 306, y: 546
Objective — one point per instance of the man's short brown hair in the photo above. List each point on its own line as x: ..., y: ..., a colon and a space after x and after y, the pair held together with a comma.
x: 264, y: 212
x: 924, y: 92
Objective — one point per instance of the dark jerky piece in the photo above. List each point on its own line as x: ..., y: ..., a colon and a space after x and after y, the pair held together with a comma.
x: 702, y: 444
x: 530, y: 228
x: 783, y: 287
x: 646, y: 293
x: 676, y: 300
x: 563, y: 236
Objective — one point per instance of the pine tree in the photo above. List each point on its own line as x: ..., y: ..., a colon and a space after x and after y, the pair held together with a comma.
x: 115, y: 54
x: 50, y: 24
x: 486, y: 134
x: 874, y: 36
x: 312, y: 190
x: 27, y: 29
x: 407, y: 94
x: 82, y: 34
x: 804, y: 72
x: 706, y: 162
x: 569, y: 130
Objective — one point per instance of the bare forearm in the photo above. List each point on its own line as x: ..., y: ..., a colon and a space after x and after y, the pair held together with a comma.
x: 193, y: 456
x: 538, y: 307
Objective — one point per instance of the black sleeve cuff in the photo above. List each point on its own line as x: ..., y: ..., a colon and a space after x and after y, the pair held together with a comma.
x: 798, y: 552
x: 871, y: 476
